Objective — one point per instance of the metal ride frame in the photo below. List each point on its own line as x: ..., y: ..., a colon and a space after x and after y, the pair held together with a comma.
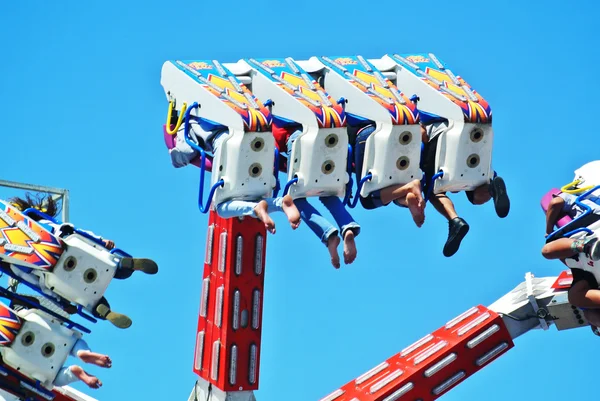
x: 228, y: 339
x: 11, y: 379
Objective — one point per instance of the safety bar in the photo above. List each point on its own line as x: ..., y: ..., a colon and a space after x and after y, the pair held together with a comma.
x: 179, y: 120
x: 24, y: 379
x: 276, y: 173
x: 203, y: 208
x: 565, y: 189
x: 437, y: 175
x: 350, y: 180
x: 289, y: 184
x: 352, y: 204
x: 588, y: 211
x: 35, y: 288
x: 70, y: 324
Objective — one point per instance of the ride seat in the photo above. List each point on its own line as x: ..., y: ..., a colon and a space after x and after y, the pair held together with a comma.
x: 83, y: 272
x: 244, y: 161
x: 40, y: 348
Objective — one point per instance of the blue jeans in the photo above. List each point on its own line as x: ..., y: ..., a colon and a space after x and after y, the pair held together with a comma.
x: 311, y: 216
x: 239, y: 208
x: 373, y: 200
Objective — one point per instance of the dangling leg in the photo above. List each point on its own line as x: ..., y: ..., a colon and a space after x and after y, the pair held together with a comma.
x: 239, y: 208
x: 68, y: 375
x: 128, y: 265
x: 348, y: 227
x: 408, y: 195
x: 326, y: 232
x: 102, y: 311
x: 567, y: 248
x: 82, y: 351
x: 497, y: 190
x: 457, y: 227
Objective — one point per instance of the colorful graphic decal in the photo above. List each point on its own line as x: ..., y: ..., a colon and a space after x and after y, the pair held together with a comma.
x: 223, y: 84
x: 10, y: 324
x: 368, y: 79
x: 430, y: 69
x: 294, y: 80
x: 22, y: 239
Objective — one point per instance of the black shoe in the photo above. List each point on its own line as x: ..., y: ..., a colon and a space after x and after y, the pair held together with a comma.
x: 457, y: 229
x: 144, y: 265
x: 501, y: 201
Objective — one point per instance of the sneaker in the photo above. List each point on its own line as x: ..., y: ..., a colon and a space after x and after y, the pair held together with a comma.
x: 457, y: 229
x: 592, y: 249
x: 117, y: 319
x: 147, y: 266
x: 500, y: 196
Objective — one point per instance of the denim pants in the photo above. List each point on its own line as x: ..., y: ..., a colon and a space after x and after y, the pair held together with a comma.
x: 65, y: 375
x: 373, y: 200
x: 311, y: 216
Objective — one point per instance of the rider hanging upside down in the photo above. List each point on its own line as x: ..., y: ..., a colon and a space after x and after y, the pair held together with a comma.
x: 431, y: 129
x: 126, y: 267
x: 182, y: 154
x: 407, y: 195
x: 81, y: 350
x: 584, y: 291
x: 327, y: 232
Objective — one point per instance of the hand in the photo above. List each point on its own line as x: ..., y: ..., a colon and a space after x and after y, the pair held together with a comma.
x: 108, y: 244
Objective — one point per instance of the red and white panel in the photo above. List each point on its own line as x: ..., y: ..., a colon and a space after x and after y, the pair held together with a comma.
x: 430, y: 367
x: 230, y: 318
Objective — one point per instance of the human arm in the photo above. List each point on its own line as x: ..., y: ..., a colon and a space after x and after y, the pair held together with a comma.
x: 554, y: 208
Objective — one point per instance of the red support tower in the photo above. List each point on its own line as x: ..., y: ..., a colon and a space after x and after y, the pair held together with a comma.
x: 230, y: 318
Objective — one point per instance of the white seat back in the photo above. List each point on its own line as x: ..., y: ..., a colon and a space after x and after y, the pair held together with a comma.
x: 464, y: 154
x: 319, y: 155
x: 83, y: 272
x: 245, y: 164
x: 245, y: 159
x: 41, y: 347
x: 393, y: 150
x: 319, y: 161
x: 392, y: 156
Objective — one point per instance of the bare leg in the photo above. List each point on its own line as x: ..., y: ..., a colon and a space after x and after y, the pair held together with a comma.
x: 444, y: 206
x: 349, y: 247
x: 565, y: 248
x: 559, y: 249
x: 291, y: 211
x: 332, y: 244
x: 91, y: 381
x: 408, y: 195
x: 261, y: 213
x: 94, y: 358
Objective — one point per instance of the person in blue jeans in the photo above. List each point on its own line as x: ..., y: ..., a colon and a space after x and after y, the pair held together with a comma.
x: 408, y: 195
x: 325, y: 230
x: 210, y: 140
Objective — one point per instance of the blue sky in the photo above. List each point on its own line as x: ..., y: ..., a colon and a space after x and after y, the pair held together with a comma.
x: 83, y: 108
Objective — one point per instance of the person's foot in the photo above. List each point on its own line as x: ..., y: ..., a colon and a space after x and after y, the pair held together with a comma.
x: 332, y: 244
x: 595, y: 330
x: 91, y: 381
x: 349, y: 247
x: 94, y: 358
x: 261, y: 213
x: 592, y: 249
x: 415, y: 208
x: 147, y: 266
x: 117, y: 319
x: 291, y: 211
x: 500, y: 196
x: 457, y: 229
